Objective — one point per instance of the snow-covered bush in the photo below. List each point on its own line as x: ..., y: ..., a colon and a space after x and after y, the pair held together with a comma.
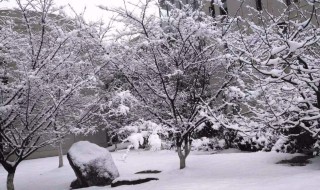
x: 207, y: 130
x: 206, y: 144
x: 120, y: 103
x: 302, y: 143
x: 217, y: 134
x: 136, y: 139
x: 144, y: 134
x: 155, y: 142
x: 234, y: 93
x: 198, y: 144
x: 253, y: 144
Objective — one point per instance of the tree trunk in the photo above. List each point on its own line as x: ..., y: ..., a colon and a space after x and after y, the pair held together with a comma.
x: 60, y: 153
x: 10, y: 178
x: 1, y: 143
x: 182, y: 162
x: 182, y: 157
x: 108, y: 139
x: 183, y: 152
x: 318, y: 97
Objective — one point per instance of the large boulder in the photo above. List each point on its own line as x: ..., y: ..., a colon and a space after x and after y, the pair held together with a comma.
x: 92, y: 164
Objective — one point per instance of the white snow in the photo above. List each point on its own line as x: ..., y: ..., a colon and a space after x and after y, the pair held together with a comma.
x: 197, y: 143
x: 136, y: 139
x: 275, y: 61
x: 232, y: 171
x: 123, y: 110
x: 276, y: 72
x: 276, y: 50
x: 294, y: 45
x: 84, y: 152
x: 154, y: 142
x: 234, y: 92
x: 175, y: 73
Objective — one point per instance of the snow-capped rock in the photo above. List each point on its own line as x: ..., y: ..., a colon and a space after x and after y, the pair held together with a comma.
x: 92, y: 164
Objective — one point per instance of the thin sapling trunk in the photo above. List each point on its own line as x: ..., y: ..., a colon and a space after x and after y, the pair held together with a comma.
x: 60, y: 153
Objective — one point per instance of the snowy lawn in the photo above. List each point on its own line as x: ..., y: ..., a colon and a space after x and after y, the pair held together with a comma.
x: 223, y: 171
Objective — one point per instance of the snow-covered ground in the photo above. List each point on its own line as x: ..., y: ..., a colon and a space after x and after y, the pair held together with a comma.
x: 233, y: 171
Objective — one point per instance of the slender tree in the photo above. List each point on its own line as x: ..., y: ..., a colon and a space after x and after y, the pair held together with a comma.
x: 174, y: 65
x: 48, y: 69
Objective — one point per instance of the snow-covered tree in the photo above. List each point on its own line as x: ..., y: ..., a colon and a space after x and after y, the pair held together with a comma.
x: 48, y: 68
x: 120, y: 109
x: 174, y: 65
x: 280, y: 60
